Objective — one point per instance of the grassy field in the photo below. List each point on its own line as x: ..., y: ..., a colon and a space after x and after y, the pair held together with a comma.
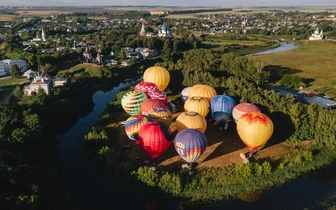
x: 5, y: 17
x: 313, y: 60
x: 10, y: 82
x: 240, y: 42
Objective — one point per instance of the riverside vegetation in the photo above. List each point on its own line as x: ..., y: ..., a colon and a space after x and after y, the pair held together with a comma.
x: 243, y: 79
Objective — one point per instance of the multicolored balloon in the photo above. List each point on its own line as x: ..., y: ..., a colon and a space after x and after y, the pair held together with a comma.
x: 154, y: 138
x: 204, y: 91
x: 157, y: 75
x: 160, y: 114
x: 197, y: 104
x: 185, y: 93
x: 190, y: 144
x: 132, y: 101
x: 159, y: 95
x: 149, y: 104
x: 146, y: 87
x: 243, y: 108
x: 221, y: 108
x: 255, y: 129
x: 191, y: 120
x: 171, y: 107
x: 133, y: 125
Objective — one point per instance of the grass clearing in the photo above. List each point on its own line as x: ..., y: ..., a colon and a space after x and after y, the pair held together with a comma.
x: 9, y: 82
x: 5, y: 17
x: 240, y: 42
x: 313, y: 60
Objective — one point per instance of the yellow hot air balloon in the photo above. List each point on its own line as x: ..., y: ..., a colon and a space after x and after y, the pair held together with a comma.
x: 191, y: 120
x: 255, y: 129
x: 197, y: 104
x: 157, y: 75
x: 204, y: 91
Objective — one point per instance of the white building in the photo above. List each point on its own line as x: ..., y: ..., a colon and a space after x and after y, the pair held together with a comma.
x: 316, y: 35
x: 143, y: 31
x: 7, y: 64
x: 163, y: 31
x: 40, y: 82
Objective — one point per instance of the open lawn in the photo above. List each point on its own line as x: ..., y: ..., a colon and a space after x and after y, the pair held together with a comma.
x: 240, y: 42
x: 313, y: 60
x: 8, y: 82
x: 5, y: 17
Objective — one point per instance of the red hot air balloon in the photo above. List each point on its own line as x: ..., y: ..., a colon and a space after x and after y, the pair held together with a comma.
x: 149, y: 104
x: 157, y: 94
x: 146, y: 87
x: 155, y: 138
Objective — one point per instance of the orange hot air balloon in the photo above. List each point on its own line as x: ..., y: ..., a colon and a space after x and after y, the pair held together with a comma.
x: 157, y: 75
x: 204, y: 91
x: 191, y: 120
x: 255, y: 129
x: 243, y: 108
x: 197, y: 104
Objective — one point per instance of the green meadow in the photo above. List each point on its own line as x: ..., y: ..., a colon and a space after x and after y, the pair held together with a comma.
x: 314, y: 61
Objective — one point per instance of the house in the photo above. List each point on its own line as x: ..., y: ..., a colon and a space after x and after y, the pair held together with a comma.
x: 41, y: 81
x: 7, y: 64
x: 29, y: 74
x: 316, y: 35
x: 57, y: 82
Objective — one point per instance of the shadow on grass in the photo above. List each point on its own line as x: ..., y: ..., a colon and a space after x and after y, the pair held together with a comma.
x: 277, y: 71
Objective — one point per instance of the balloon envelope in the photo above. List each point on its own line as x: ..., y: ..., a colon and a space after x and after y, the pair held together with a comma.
x: 191, y: 120
x: 204, y: 91
x: 185, y: 93
x: 190, y: 144
x: 132, y: 101
x: 159, y: 95
x: 160, y: 114
x: 149, y: 104
x: 222, y: 103
x: 146, y: 87
x: 171, y: 107
x: 154, y: 138
x: 197, y: 104
x: 255, y: 129
x: 133, y: 125
x: 157, y: 75
x: 243, y: 108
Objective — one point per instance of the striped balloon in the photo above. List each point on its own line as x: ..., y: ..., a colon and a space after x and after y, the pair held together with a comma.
x: 204, y: 91
x: 191, y: 120
x: 146, y: 87
x: 190, y: 144
x: 242, y: 109
x: 160, y: 114
x: 185, y: 93
x: 157, y: 94
x: 132, y: 101
x: 197, y: 104
x: 133, y: 125
x: 221, y: 108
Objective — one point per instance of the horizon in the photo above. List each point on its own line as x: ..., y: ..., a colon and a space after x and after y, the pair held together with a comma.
x: 171, y: 3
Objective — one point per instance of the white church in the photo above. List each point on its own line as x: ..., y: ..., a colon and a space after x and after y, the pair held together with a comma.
x: 316, y: 35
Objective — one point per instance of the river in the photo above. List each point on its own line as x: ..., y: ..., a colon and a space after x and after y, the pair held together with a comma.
x: 284, y: 46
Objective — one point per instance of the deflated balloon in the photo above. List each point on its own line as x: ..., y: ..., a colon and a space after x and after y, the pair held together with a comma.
x: 154, y: 138
x: 190, y: 144
x: 255, y: 129
x: 157, y: 75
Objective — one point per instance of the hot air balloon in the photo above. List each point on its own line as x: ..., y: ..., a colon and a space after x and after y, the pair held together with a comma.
x: 160, y: 114
x: 149, y: 104
x: 146, y: 87
x: 171, y: 107
x: 159, y: 95
x: 190, y: 144
x: 132, y: 100
x: 197, y: 104
x: 191, y: 120
x: 204, y: 91
x: 242, y: 108
x: 185, y: 93
x: 133, y: 125
x: 221, y: 108
x: 255, y: 129
x: 157, y: 75
x: 154, y: 138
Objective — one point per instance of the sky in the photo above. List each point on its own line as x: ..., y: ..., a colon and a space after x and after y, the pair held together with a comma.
x: 224, y: 3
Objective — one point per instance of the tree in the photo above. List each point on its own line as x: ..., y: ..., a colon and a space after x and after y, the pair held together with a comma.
x: 15, y: 72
